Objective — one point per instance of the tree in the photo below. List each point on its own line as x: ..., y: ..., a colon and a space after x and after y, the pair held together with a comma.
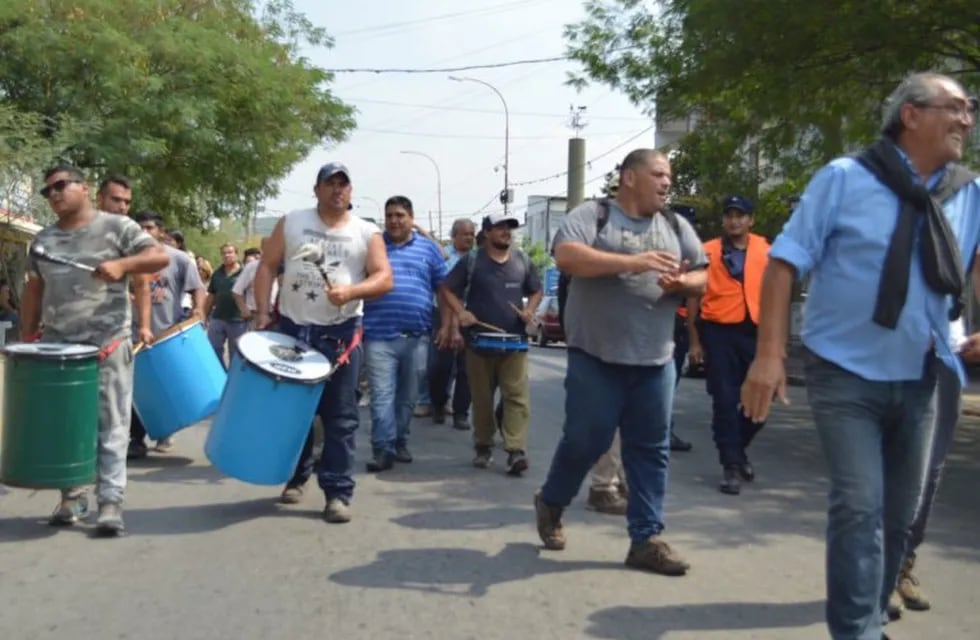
x: 206, y: 104
x: 777, y: 87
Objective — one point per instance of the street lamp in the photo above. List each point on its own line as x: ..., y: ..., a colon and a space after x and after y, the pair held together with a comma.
x: 438, y: 183
x: 505, y: 194
x: 376, y: 204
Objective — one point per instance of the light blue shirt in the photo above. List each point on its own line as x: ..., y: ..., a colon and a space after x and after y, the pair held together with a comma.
x: 454, y: 256
x: 839, y: 233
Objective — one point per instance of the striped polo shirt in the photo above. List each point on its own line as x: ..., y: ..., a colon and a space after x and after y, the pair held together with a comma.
x: 419, y: 268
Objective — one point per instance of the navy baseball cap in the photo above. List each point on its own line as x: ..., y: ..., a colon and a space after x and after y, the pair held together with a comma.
x: 738, y: 203
x: 492, y: 220
x: 331, y: 169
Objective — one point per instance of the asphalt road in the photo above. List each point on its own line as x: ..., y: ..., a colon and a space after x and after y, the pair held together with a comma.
x: 440, y: 550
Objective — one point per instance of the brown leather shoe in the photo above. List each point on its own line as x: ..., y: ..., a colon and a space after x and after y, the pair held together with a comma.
x: 549, y: 524
x: 656, y: 555
x: 610, y: 502
x: 909, y: 590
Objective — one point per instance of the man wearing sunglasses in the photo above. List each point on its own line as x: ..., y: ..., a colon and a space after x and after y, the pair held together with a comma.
x: 82, y: 307
x: 723, y: 335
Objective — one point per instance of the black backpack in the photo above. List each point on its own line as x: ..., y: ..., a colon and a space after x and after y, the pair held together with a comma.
x: 602, y: 217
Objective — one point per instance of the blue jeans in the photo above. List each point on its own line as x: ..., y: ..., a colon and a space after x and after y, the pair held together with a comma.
x: 948, y: 391
x: 337, y: 409
x: 875, y: 438
x: 394, y: 370
x: 222, y: 331
x: 599, y: 397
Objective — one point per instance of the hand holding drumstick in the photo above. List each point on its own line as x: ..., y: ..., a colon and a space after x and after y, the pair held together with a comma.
x: 467, y: 319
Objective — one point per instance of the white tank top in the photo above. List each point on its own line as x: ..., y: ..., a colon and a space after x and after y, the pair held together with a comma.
x: 302, y: 297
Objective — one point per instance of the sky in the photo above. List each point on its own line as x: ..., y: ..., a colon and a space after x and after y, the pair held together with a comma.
x: 459, y: 124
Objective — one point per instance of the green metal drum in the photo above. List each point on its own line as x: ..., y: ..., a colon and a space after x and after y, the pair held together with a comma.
x: 50, y: 415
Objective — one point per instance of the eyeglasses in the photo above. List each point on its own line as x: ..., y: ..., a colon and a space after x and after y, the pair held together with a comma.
x: 58, y: 186
x: 956, y: 109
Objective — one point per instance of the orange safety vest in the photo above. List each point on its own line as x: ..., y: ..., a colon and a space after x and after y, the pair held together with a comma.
x: 726, y: 299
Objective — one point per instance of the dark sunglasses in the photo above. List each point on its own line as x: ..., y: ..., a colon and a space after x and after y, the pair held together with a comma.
x: 58, y: 186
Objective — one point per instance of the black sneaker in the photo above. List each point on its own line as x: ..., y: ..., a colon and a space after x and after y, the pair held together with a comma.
x: 729, y: 481
x: 137, y: 450
x: 460, y: 423
x: 746, y: 472
x: 381, y: 462
x: 402, y: 454
x: 676, y: 444
x: 439, y: 415
x: 516, y: 463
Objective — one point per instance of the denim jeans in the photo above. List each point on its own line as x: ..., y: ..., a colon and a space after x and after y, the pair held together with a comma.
x: 221, y: 331
x: 394, y: 368
x: 947, y: 415
x: 875, y: 438
x: 599, y: 397
x: 337, y: 409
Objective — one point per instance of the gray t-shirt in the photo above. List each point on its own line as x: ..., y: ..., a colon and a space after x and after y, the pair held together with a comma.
x: 167, y: 288
x: 626, y: 318
x: 76, y: 306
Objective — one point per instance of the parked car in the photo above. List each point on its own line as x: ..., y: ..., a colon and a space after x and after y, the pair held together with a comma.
x: 548, y: 330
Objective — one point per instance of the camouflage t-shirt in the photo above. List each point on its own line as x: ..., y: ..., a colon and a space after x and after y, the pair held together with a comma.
x: 76, y: 306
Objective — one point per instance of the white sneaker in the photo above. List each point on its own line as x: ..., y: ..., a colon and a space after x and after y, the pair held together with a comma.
x: 337, y: 511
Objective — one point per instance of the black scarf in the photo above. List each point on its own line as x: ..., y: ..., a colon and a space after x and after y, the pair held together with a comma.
x: 942, y: 265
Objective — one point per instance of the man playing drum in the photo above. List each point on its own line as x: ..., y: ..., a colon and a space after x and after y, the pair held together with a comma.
x: 78, y: 306
x: 166, y: 288
x: 491, y: 284
x: 322, y: 305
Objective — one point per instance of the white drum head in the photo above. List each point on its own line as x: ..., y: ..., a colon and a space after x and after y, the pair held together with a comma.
x: 52, y: 350
x: 284, y: 357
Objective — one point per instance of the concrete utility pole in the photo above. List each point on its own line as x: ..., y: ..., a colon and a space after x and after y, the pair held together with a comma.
x: 576, y: 158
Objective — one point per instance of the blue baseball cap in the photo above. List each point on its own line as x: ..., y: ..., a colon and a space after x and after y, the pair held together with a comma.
x: 738, y: 203
x: 331, y: 169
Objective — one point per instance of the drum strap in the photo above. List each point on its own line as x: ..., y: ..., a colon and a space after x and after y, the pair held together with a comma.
x: 354, y: 341
x: 107, y: 351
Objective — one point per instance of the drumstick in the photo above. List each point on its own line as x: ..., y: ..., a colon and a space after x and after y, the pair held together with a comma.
x: 492, y: 327
x: 516, y: 308
x: 139, y: 347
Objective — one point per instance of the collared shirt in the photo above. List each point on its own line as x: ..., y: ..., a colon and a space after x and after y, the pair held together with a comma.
x: 840, y: 232
x: 419, y: 268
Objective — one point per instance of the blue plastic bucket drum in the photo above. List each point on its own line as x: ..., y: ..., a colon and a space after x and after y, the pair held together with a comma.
x: 178, y: 380
x: 274, y: 386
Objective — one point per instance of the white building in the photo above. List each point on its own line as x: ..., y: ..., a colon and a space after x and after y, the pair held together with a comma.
x: 543, y: 218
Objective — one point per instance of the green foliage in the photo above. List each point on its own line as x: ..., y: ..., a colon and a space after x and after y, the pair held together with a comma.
x: 776, y: 87
x: 206, y: 104
x: 538, y: 254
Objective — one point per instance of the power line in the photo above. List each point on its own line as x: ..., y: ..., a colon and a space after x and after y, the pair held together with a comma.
x: 589, y: 161
x: 463, y: 136
x: 472, y: 67
x: 532, y: 114
x: 498, y: 8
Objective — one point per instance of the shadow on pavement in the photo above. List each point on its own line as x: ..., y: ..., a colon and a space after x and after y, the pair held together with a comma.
x: 456, y: 572
x: 201, y: 518
x: 651, y: 623
x: 466, y: 519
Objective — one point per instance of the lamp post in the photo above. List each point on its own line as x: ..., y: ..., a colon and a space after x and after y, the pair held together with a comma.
x: 438, y: 183
x: 377, y: 204
x: 505, y: 195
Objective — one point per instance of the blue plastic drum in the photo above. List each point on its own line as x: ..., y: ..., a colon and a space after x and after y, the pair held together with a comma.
x: 177, y: 381
x: 274, y: 387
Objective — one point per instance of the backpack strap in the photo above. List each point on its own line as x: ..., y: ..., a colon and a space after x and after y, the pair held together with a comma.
x: 470, y: 266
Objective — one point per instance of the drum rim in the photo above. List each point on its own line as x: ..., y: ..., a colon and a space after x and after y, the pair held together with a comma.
x: 14, y: 351
x: 173, y: 330
x: 279, y: 376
